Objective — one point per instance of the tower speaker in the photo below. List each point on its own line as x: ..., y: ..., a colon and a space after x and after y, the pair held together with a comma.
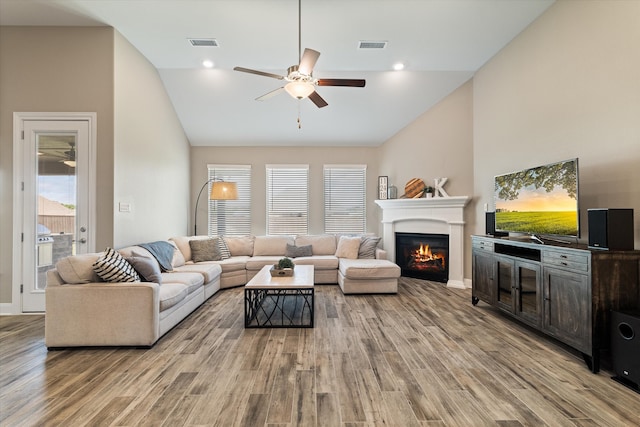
x: 490, y: 225
x: 610, y: 229
x: 625, y: 345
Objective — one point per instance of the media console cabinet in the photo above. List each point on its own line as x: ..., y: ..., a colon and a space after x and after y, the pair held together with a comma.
x: 566, y: 291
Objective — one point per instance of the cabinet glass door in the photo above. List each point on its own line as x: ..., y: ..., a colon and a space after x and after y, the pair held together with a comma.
x: 528, y: 284
x: 505, y: 284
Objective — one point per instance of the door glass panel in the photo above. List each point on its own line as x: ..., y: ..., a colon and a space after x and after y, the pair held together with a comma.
x: 56, y: 201
x: 528, y: 291
x: 505, y: 273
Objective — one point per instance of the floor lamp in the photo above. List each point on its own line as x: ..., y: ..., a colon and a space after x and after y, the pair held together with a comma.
x: 220, y: 190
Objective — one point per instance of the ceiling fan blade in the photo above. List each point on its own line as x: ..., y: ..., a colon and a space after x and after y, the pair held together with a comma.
x: 317, y: 99
x: 308, y: 60
x: 342, y: 82
x: 260, y: 73
x: 270, y: 94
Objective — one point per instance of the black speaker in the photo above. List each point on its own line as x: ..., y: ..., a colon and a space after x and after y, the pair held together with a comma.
x: 490, y: 225
x: 625, y: 345
x: 610, y: 229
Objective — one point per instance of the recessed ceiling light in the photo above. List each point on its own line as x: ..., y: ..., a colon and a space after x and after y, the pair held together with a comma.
x: 207, y: 63
x: 398, y: 66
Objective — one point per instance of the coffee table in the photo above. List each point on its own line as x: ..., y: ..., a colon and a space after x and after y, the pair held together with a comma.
x: 279, y: 302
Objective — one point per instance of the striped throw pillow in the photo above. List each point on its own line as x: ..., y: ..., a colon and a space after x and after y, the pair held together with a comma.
x: 112, y: 267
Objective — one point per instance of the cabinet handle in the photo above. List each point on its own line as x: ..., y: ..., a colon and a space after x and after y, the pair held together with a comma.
x: 547, y: 299
x: 564, y: 263
x: 563, y: 256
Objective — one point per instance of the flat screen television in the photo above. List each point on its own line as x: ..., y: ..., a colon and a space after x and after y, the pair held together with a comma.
x: 539, y: 201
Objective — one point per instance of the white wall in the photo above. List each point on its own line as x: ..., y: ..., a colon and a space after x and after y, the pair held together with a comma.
x: 568, y: 86
x: 437, y: 144
x: 151, y: 154
x: 55, y: 69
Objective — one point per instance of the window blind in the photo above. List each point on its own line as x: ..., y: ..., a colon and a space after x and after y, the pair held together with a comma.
x: 345, y: 198
x: 287, y: 199
x: 231, y: 217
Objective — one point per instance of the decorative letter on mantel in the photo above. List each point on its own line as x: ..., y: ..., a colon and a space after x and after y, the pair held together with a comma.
x: 438, y: 184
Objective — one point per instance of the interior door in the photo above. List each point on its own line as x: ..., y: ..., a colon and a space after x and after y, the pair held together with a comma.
x: 56, y: 206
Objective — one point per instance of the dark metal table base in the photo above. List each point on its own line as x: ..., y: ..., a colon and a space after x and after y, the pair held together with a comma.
x: 278, y: 308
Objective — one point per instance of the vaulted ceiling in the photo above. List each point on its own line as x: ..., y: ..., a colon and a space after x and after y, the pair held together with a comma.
x: 440, y: 42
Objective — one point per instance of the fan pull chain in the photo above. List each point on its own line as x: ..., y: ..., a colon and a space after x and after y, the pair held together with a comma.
x: 299, y: 121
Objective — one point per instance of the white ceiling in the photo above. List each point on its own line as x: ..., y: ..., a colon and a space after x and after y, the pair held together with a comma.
x: 441, y: 42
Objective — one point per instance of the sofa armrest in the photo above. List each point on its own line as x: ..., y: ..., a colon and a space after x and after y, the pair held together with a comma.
x: 102, y: 314
x: 381, y: 253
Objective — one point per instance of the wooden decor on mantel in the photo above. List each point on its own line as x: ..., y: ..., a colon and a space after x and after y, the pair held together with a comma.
x: 414, y: 188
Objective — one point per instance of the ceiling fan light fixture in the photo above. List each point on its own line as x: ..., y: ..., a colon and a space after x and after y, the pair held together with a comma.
x: 299, y: 90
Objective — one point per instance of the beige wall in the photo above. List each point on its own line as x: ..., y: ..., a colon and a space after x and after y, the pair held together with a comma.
x: 54, y: 69
x: 437, y: 144
x: 566, y: 87
x: 151, y: 154
x: 315, y: 157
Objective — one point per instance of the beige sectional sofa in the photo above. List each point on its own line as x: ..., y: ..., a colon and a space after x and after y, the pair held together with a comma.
x: 83, y: 310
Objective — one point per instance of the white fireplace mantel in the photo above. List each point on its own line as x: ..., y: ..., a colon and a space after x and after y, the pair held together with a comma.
x: 442, y: 215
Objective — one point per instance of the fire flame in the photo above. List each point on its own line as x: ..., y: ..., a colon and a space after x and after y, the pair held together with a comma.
x: 424, y: 255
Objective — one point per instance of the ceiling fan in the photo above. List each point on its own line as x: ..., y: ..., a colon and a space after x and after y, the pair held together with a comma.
x: 300, y: 81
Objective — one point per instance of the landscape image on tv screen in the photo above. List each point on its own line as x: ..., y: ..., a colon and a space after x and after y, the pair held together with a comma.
x: 540, y: 200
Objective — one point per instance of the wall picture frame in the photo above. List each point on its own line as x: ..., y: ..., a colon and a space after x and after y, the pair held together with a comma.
x: 383, y: 185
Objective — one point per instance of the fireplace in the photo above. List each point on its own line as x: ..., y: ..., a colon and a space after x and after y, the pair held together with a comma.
x: 436, y: 215
x: 423, y: 255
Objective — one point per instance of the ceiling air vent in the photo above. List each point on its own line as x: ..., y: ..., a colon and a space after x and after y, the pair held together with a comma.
x: 204, y: 42
x: 362, y: 44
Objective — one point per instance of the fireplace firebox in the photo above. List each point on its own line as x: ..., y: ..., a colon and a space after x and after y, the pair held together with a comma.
x: 423, y: 256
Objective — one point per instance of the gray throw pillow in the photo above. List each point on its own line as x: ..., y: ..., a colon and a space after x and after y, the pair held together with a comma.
x: 204, y: 250
x: 368, y: 247
x: 147, y: 268
x: 294, y: 251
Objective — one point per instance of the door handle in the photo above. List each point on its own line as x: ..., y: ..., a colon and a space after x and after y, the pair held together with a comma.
x: 83, y: 240
x: 83, y: 229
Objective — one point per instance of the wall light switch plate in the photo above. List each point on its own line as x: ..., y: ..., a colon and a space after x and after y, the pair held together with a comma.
x: 124, y: 207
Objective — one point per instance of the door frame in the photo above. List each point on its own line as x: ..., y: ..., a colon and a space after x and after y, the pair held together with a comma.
x: 18, y: 199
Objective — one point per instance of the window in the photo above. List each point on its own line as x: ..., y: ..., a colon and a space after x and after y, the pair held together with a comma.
x: 345, y: 198
x: 287, y: 199
x: 231, y: 217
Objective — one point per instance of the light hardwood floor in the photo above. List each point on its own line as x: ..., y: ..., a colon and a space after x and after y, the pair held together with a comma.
x: 423, y: 357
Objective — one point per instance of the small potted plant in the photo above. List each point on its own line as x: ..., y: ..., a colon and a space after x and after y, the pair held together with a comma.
x: 284, y: 267
x: 428, y: 191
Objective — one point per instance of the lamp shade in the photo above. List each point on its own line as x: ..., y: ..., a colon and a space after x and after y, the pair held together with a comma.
x: 221, y: 190
x: 299, y: 90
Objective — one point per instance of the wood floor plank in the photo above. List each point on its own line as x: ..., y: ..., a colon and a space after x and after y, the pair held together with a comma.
x: 423, y: 357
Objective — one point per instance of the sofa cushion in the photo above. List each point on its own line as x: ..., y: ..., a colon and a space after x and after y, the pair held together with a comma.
x: 235, y: 263
x: 294, y: 251
x: 78, y: 268
x: 240, y: 245
x: 369, y: 269
x: 323, y: 244
x: 348, y: 247
x: 368, y: 247
x: 193, y: 281
x: 147, y: 268
x: 178, y: 258
x: 112, y: 267
x: 271, y: 245
x: 209, y: 270
x: 171, y: 294
x: 319, y: 262
x: 257, y: 262
x: 204, y: 250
